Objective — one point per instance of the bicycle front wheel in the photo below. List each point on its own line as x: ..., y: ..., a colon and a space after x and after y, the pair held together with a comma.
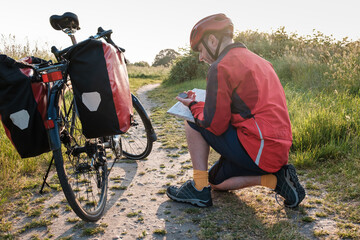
x: 81, y: 165
x: 137, y: 142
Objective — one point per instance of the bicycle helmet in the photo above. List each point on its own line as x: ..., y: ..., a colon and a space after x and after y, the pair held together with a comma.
x: 214, y: 23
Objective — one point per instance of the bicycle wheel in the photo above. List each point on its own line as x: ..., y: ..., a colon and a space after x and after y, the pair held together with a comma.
x: 81, y: 165
x: 137, y: 142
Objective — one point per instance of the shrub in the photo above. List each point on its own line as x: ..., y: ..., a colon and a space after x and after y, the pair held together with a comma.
x: 187, y: 67
x: 142, y: 64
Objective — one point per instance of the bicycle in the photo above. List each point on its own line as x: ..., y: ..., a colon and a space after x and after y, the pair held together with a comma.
x: 81, y: 163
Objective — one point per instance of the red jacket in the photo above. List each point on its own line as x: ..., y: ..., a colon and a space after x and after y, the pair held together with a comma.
x: 244, y: 90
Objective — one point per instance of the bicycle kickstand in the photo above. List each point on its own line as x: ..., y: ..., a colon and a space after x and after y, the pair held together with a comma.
x: 46, y: 176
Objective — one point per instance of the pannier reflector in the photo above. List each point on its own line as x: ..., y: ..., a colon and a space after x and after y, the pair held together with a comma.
x: 52, y: 76
x: 91, y: 100
x: 20, y: 119
x: 49, y: 124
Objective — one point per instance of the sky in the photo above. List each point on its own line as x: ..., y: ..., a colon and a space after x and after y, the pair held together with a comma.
x: 145, y: 27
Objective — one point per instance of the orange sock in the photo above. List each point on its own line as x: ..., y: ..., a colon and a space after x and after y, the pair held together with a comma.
x: 201, y: 179
x: 269, y: 180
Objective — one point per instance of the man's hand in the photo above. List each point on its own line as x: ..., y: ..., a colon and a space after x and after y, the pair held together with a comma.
x: 186, y: 101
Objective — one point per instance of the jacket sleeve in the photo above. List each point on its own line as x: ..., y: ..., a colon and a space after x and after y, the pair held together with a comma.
x: 215, y: 113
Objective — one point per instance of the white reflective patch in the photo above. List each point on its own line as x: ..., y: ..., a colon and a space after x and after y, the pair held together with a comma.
x: 91, y: 100
x: 20, y: 119
x: 257, y: 161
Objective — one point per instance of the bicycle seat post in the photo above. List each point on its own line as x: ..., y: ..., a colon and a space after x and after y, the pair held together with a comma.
x: 70, y: 32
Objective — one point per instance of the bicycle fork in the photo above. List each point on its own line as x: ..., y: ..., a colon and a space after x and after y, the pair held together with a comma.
x: 53, y: 118
x: 52, y: 127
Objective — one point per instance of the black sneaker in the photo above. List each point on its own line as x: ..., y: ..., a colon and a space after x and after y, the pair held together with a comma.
x: 187, y: 193
x: 288, y: 186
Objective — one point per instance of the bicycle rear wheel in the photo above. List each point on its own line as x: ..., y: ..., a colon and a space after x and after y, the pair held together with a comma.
x: 137, y: 142
x: 81, y: 165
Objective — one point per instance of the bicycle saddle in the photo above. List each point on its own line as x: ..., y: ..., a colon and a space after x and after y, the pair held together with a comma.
x: 67, y: 20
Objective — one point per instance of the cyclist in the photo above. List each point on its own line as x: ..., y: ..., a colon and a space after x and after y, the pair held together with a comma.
x: 244, y: 118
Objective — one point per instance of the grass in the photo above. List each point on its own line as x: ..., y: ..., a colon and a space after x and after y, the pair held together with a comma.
x: 160, y: 232
x: 91, y: 231
x: 161, y: 191
x: 133, y: 214
x: 35, y: 223
x: 5, y: 226
x: 34, y: 212
x: 73, y: 220
x: 118, y: 187
x: 140, y: 76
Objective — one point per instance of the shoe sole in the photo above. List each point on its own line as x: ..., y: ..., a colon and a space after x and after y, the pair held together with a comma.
x: 195, y: 202
x: 295, y: 186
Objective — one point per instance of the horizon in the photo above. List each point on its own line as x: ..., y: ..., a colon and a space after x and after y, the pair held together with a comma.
x: 144, y: 28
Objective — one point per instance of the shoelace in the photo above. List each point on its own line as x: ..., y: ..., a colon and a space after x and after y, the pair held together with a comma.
x: 182, y: 187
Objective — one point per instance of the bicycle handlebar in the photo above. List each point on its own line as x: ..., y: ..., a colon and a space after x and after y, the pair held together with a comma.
x: 100, y: 34
x: 108, y: 39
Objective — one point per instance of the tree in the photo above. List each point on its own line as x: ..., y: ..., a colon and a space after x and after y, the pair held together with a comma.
x: 165, y: 57
x: 142, y: 64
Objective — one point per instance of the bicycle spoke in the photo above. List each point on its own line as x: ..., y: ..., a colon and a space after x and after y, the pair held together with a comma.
x: 136, y: 143
x: 81, y: 168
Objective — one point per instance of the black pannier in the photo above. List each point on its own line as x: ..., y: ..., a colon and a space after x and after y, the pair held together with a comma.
x: 101, y: 88
x: 23, y: 107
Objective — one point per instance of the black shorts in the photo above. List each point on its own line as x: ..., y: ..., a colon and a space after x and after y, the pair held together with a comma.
x: 234, y: 160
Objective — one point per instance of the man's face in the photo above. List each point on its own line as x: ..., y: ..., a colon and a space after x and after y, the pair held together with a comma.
x: 203, y: 53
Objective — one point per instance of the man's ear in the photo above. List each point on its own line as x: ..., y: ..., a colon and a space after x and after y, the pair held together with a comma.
x: 213, y: 41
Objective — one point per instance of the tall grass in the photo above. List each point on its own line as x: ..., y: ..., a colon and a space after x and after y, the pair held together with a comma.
x: 147, y: 72
x: 10, y: 46
x: 325, y: 126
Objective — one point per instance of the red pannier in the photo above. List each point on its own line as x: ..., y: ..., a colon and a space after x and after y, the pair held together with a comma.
x: 23, y: 106
x: 101, y: 88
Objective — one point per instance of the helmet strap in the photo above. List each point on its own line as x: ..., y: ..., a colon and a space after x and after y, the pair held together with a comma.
x: 216, y: 55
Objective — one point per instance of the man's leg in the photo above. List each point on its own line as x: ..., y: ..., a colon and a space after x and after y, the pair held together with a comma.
x: 235, y: 183
x: 197, y: 192
x: 198, y: 148
x: 199, y: 152
x: 285, y: 183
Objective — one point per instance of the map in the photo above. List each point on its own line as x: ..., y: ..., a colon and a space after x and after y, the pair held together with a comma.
x: 182, y: 111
